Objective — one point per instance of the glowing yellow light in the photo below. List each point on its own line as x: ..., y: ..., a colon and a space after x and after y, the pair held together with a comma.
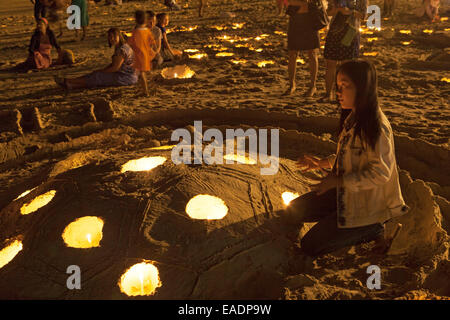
x: 9, y: 252
x: 406, y: 43
x: 262, y: 64
x: 38, y: 202
x: 239, y: 159
x: 372, y: 39
x: 238, y: 25
x: 184, y: 29
x: 142, y: 279
x: 405, y: 31
x: 191, y: 50
x: 300, y: 60
x: 128, y: 34
x: 444, y: 19
x: 224, y: 37
x: 198, y: 56
x: 281, y: 33
x: 242, y: 45
x: 370, y: 54
x: 257, y: 38
x: 224, y: 54
x: 219, y: 28
x: 288, y: 197
x: 206, y: 207
x: 446, y: 80
x: 257, y: 50
x: 447, y: 29
x: 265, y: 35
x: 179, y: 71
x: 169, y: 147
x: 143, y: 164
x: 83, y: 233
x: 24, y: 194
x: 128, y: 19
x: 239, y: 61
x: 428, y: 31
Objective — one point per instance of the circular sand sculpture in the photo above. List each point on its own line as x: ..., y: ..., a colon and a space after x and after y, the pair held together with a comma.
x: 241, y: 254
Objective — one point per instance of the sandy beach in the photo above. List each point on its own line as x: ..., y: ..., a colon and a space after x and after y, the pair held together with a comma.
x: 76, y: 142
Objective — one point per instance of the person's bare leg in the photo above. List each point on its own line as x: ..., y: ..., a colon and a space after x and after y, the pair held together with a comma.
x: 143, y: 81
x: 329, y: 78
x: 75, y: 83
x: 84, y: 33
x: 292, y: 68
x: 313, y: 70
x: 201, y: 8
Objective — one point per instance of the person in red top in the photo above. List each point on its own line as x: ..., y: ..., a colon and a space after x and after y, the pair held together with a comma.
x: 144, y: 47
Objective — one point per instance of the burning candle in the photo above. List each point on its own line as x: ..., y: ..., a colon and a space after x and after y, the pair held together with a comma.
x: 406, y: 43
x: 370, y: 54
x: 428, y: 31
x: 405, y: 31
x: 262, y: 64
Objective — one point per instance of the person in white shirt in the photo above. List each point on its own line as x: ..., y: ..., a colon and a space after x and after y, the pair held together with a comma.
x: 362, y: 191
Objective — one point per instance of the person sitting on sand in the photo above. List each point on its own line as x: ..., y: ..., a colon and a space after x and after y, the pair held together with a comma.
x: 119, y: 73
x: 41, y: 43
x: 167, y: 53
x: 362, y: 191
x: 157, y: 35
x: 430, y: 9
x: 172, y: 4
x: 144, y: 46
x: 83, y: 5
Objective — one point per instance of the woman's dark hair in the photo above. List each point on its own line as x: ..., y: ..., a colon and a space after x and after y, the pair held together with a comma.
x: 150, y: 14
x: 116, y: 32
x: 160, y: 17
x: 367, y: 113
x: 139, y: 15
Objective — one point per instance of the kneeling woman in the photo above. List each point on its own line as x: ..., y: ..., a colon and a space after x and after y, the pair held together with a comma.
x: 362, y: 191
x: 119, y: 73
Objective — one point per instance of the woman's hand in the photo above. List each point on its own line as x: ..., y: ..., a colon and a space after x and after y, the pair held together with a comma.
x: 307, y: 163
x: 329, y: 182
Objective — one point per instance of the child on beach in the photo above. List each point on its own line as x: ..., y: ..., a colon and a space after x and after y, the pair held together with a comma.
x: 430, y: 8
x: 167, y: 52
x: 39, y: 10
x: 144, y: 47
x: 157, y: 35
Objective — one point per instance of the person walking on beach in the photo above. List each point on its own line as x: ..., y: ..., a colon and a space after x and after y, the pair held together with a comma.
x: 302, y: 37
x: 362, y: 191
x: 40, y: 10
x: 343, y: 38
x: 83, y: 5
x: 144, y: 47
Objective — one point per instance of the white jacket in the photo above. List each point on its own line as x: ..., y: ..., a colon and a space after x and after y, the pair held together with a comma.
x: 369, y: 191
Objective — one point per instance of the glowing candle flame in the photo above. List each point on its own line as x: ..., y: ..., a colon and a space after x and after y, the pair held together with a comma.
x: 8, y: 253
x: 370, y: 54
x: 238, y: 25
x: 89, y: 239
x: 405, y: 31
x: 198, y: 56
x: 239, y: 61
x: 191, y: 50
x: 262, y: 64
x: 206, y: 207
x: 300, y: 60
x: 372, y: 39
x: 224, y: 54
x: 406, y: 43
x: 446, y: 80
x: 24, y: 194
x: 428, y: 31
x: 38, y: 202
x: 288, y: 197
x: 175, y: 75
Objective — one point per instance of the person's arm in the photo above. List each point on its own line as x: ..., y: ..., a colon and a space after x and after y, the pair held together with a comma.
x: 34, y: 43
x: 53, y: 42
x: 379, y: 167
x: 117, y: 61
x: 166, y: 43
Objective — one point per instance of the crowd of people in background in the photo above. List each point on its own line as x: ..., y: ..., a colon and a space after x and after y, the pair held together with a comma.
x: 148, y: 47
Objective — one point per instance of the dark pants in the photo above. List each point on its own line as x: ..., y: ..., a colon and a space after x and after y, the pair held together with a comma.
x: 40, y: 10
x: 325, y: 236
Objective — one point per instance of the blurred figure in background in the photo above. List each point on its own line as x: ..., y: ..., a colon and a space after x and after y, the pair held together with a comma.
x: 167, y: 53
x: 157, y: 35
x: 83, y: 5
x: 429, y: 9
x: 39, y: 10
x: 388, y: 8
